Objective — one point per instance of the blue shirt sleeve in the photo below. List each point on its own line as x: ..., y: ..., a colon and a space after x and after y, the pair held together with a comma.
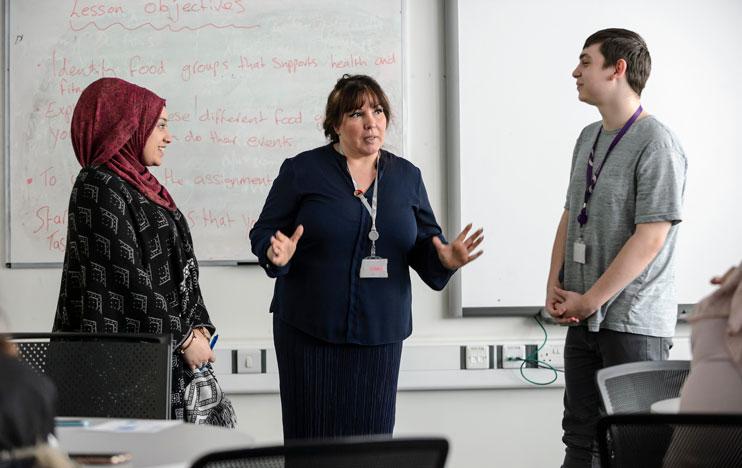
x: 423, y: 257
x: 278, y: 214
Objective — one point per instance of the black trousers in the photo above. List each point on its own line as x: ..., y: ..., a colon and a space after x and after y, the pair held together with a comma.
x: 584, y: 354
x: 334, y: 390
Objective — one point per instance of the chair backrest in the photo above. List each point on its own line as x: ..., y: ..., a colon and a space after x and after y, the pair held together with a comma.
x: 335, y: 453
x: 103, y: 375
x: 670, y: 440
x: 633, y: 387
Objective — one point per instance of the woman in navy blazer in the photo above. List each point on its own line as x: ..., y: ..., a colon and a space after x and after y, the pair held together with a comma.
x: 340, y: 228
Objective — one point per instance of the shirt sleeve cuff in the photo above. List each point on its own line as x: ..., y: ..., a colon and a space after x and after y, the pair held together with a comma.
x: 437, y: 275
x: 672, y: 217
x: 271, y: 270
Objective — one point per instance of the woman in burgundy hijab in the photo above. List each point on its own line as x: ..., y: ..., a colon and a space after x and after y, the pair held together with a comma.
x: 129, y: 263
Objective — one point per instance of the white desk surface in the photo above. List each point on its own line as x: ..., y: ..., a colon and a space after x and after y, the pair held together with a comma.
x: 174, y: 446
x: 669, y: 406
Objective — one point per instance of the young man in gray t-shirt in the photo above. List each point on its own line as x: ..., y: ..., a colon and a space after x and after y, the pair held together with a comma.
x: 612, y: 263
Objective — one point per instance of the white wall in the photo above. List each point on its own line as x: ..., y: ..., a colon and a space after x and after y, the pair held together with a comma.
x: 514, y: 428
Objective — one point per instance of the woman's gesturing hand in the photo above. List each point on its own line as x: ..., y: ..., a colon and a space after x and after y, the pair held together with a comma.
x: 459, y: 252
x: 282, y: 247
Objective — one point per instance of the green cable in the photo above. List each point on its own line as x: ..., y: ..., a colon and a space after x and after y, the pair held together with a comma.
x: 533, y: 358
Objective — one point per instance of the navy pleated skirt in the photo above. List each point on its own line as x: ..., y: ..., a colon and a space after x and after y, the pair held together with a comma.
x: 334, y: 390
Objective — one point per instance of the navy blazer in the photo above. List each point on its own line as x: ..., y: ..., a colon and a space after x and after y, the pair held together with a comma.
x: 320, y: 291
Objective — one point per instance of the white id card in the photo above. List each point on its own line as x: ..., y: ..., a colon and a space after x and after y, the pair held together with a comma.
x: 580, y: 251
x: 374, y: 267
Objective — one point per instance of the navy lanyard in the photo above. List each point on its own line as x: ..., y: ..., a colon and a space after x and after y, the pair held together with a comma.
x: 592, y: 178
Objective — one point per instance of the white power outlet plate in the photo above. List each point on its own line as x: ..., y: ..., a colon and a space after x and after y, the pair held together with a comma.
x: 553, y: 355
x: 478, y: 357
x: 249, y: 361
x: 512, y: 356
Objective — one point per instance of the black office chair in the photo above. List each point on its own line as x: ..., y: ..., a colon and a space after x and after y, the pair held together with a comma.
x: 633, y: 387
x: 670, y: 440
x: 335, y: 453
x: 103, y: 375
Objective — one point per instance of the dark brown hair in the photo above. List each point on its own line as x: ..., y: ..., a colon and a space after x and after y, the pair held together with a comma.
x: 615, y: 44
x: 349, y: 93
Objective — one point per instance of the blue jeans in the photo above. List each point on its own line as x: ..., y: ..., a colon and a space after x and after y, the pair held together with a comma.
x: 585, y: 353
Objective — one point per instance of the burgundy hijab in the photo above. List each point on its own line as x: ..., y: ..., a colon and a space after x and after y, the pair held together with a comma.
x: 110, y: 126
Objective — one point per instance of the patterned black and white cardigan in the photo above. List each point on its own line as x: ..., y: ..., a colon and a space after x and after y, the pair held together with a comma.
x: 129, y: 267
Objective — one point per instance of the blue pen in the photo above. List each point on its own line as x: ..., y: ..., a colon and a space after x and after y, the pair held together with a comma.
x: 211, y: 345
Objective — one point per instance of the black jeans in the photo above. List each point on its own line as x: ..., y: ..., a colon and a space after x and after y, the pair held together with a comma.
x: 584, y: 354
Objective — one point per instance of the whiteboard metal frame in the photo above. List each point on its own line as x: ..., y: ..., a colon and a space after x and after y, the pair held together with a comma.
x: 6, y: 127
x: 453, y: 147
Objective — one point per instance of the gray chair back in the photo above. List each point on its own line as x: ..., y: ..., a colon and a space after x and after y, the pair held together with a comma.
x: 335, y: 453
x: 670, y: 440
x: 103, y: 375
x: 633, y: 387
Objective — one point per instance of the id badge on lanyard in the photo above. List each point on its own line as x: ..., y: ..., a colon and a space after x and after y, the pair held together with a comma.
x: 579, y: 253
x: 372, y: 266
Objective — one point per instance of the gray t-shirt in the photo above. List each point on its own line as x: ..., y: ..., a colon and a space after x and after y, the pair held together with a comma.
x: 643, y: 181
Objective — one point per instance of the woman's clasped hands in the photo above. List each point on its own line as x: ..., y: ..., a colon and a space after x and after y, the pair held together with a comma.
x: 196, y: 350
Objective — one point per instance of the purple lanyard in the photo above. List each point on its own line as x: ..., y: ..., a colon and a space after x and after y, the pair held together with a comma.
x: 592, y: 179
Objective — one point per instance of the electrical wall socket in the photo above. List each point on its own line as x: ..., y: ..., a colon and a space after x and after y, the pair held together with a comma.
x: 553, y: 355
x: 249, y: 361
x: 512, y: 356
x: 477, y: 357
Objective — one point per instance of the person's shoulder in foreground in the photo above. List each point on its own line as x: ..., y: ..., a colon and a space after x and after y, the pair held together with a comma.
x: 27, y: 405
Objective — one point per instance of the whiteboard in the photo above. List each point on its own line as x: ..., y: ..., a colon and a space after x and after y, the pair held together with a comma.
x: 245, y: 82
x: 515, y: 118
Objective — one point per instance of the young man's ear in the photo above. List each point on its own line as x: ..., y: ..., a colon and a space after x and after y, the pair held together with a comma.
x: 620, y: 67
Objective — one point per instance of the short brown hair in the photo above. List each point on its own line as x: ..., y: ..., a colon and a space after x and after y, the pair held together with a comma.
x: 615, y: 44
x: 348, y: 94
